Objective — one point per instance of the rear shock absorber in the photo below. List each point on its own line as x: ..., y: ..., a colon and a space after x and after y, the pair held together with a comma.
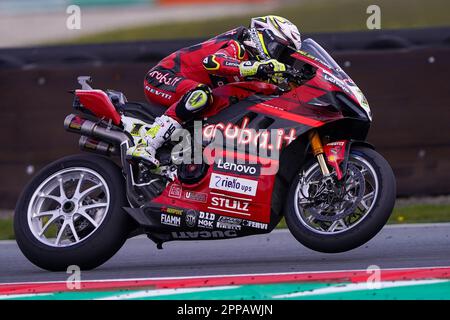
x: 317, y: 148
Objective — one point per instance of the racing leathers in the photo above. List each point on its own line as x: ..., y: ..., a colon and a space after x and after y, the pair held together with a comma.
x: 184, y: 80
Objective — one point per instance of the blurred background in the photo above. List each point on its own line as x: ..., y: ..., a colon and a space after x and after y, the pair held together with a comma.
x: 402, y: 68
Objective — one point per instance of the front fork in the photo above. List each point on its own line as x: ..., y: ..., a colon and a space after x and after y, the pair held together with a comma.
x: 317, y: 149
x: 333, y: 153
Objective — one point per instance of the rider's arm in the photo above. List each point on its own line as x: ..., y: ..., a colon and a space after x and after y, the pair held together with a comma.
x: 226, y: 61
x: 260, y: 69
x: 232, y: 60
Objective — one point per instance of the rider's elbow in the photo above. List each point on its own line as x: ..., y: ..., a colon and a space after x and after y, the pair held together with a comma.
x: 210, y: 63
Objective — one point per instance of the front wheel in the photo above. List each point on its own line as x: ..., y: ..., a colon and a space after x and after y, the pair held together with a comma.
x: 332, y: 216
x: 71, y: 214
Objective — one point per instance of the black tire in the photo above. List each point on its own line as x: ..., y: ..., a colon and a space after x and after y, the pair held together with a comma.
x: 363, y: 231
x: 102, y: 244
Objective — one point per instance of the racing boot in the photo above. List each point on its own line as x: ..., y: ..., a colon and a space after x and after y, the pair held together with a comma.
x: 153, y: 137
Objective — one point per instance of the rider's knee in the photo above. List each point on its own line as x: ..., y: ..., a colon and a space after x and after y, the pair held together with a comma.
x: 193, y: 102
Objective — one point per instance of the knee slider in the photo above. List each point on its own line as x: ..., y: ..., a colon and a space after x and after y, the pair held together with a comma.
x: 198, y: 98
x: 194, y: 101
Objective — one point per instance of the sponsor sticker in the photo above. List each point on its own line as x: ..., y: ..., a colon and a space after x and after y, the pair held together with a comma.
x: 175, y: 191
x: 203, y: 223
x: 230, y: 226
x: 158, y: 93
x: 217, y: 234
x: 170, y: 220
x: 166, y: 78
x: 206, y: 220
x: 172, y: 210
x: 231, y: 64
x: 231, y: 220
x: 233, y: 184
x: 231, y: 204
x: 229, y: 223
x: 195, y: 196
x: 238, y: 168
x: 207, y: 215
x: 254, y: 224
x: 246, y: 136
x: 331, y: 79
x: 191, y: 218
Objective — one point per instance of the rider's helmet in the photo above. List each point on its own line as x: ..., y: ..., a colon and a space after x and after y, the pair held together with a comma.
x: 269, y: 34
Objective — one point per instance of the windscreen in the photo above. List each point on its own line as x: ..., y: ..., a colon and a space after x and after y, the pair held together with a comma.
x: 314, y: 49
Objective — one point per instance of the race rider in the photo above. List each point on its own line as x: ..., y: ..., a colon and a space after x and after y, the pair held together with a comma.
x: 183, y: 80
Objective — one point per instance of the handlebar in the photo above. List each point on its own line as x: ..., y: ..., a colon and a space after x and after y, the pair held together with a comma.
x: 297, y: 76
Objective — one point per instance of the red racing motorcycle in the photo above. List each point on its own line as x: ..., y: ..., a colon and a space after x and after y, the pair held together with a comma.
x: 299, y: 152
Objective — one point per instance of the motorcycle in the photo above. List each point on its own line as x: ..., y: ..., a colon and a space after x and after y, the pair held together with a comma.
x: 298, y: 152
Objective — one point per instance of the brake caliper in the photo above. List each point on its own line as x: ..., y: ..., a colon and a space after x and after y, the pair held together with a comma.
x: 335, y: 153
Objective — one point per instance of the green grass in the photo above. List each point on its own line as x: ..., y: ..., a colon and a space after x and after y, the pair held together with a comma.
x: 407, y: 214
x: 6, y: 229
x: 425, y: 213
x: 421, y: 213
x: 309, y: 15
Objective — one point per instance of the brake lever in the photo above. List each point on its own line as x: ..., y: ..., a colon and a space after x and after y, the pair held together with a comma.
x: 289, y: 76
x: 290, y: 73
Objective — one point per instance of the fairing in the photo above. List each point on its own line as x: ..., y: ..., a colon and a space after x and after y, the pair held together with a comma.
x: 255, y: 105
x: 98, y: 102
x: 331, y: 75
x: 230, y: 201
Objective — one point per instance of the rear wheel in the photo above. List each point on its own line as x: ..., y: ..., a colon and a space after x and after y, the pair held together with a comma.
x: 336, y: 216
x: 71, y: 214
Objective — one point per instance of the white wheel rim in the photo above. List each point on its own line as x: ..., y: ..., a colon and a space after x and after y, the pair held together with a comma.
x: 68, y: 207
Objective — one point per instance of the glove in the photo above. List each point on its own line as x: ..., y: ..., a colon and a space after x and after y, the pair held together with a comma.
x: 276, y: 79
x: 260, y: 68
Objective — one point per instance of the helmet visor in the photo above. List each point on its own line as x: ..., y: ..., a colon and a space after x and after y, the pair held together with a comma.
x: 274, y: 45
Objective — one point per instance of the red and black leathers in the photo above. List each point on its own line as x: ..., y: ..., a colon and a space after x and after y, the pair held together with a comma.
x: 213, y: 63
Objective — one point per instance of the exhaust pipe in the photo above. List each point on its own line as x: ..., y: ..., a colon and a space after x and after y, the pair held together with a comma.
x: 96, y: 146
x: 77, y: 124
x: 120, y: 141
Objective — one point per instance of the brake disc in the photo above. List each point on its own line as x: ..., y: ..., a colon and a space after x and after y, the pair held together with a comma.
x: 325, y: 209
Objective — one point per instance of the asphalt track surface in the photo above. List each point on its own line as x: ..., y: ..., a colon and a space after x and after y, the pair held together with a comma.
x: 401, y: 246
